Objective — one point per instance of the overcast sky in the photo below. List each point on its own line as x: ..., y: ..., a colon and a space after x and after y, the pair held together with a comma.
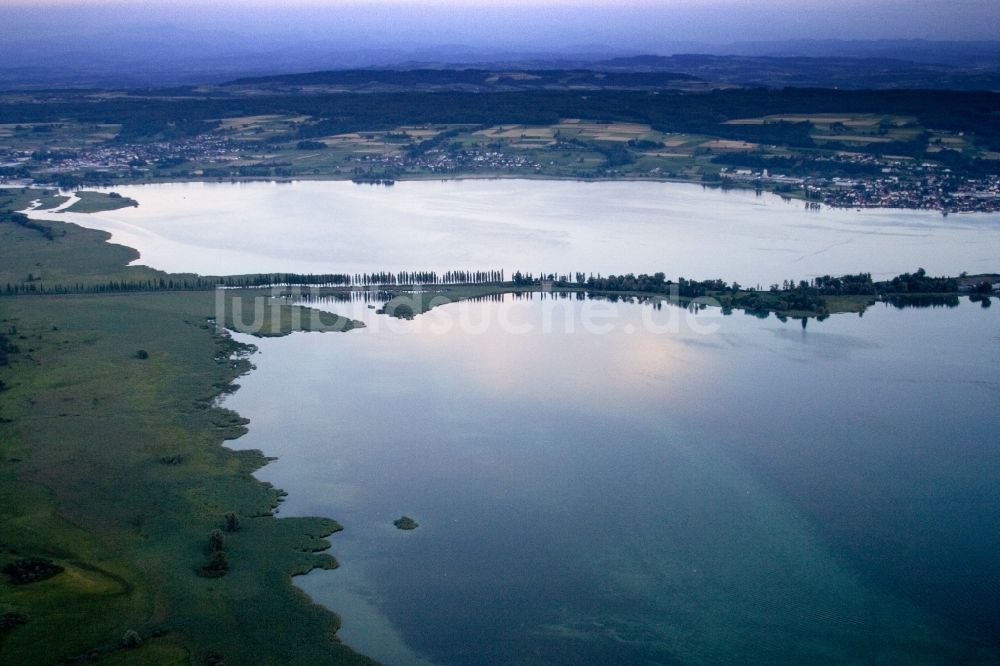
x: 519, y: 23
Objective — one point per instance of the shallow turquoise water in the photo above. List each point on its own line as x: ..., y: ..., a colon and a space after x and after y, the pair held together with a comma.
x: 680, y: 488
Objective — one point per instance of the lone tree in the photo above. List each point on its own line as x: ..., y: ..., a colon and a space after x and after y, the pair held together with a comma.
x: 218, y: 562
x: 131, y: 639
x: 216, y: 567
x: 216, y: 541
x: 232, y: 522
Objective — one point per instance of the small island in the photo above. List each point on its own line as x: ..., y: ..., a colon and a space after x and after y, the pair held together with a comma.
x: 99, y: 202
x: 405, y: 523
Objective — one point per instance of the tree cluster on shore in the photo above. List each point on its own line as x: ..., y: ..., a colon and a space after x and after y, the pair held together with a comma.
x: 790, y: 295
x: 860, y: 284
x: 23, y: 220
x: 920, y: 283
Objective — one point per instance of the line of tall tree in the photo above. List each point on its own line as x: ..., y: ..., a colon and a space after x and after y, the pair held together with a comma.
x: 34, y: 285
x: 805, y: 291
x: 427, y: 277
x: 273, y: 279
x: 365, y: 279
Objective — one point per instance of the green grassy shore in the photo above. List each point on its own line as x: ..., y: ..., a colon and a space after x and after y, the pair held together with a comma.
x: 113, y: 468
x: 96, y: 202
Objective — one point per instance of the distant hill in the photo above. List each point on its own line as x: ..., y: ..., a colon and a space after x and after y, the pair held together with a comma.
x: 690, y: 72
x: 937, y: 52
x: 161, y: 56
x: 473, y: 79
x: 822, y: 72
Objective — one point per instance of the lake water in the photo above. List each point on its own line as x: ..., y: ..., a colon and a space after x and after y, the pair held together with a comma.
x: 671, y: 488
x: 633, y: 485
x: 533, y: 226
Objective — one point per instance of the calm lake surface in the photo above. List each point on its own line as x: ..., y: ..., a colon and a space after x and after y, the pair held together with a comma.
x: 533, y: 226
x: 679, y: 488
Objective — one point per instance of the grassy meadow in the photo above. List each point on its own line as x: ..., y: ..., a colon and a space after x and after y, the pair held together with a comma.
x: 114, y: 469
x: 73, y: 256
x: 95, y: 202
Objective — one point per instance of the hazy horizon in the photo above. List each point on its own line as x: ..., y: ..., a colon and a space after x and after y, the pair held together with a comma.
x: 75, y: 43
x: 551, y: 25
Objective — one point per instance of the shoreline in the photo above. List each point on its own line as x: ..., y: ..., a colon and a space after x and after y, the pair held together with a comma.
x: 181, y: 481
x: 333, y: 305
x: 409, y: 178
x: 309, y: 542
